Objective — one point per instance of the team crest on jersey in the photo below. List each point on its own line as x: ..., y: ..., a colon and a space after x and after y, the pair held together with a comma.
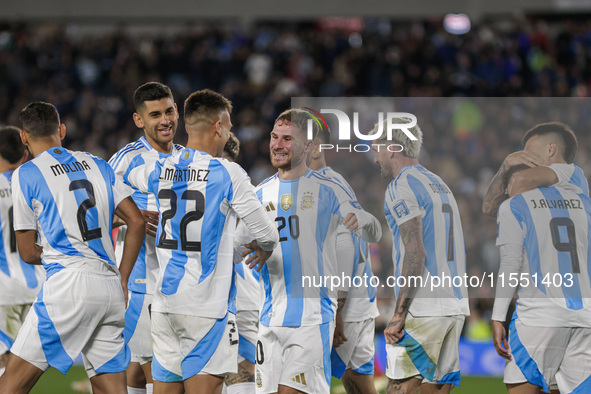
x: 286, y: 202
x: 307, y: 201
x: 57, y: 151
x: 187, y: 155
x: 259, y: 380
x: 401, y: 209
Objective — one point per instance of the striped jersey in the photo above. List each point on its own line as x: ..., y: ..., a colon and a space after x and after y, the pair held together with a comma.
x: 361, y: 298
x: 199, y: 198
x: 307, y: 212
x: 70, y: 199
x: 552, y: 228
x: 248, y: 290
x: 143, y: 276
x: 19, y: 282
x: 417, y: 192
x: 570, y: 173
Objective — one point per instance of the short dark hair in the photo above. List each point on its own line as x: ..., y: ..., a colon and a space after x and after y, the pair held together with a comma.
x: 566, y: 138
x: 11, y: 147
x: 299, y: 118
x: 205, y: 105
x: 514, y: 170
x: 232, y: 147
x: 40, y: 119
x: 150, y: 91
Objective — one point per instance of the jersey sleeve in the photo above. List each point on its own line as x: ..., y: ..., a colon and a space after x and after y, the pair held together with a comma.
x: 139, y: 173
x: 402, y: 204
x: 509, y: 230
x: 24, y: 217
x: 120, y: 190
x: 250, y: 210
x: 368, y: 227
x: 244, y: 199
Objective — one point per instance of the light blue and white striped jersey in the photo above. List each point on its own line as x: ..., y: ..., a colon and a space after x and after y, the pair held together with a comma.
x: 570, y: 173
x: 70, y: 199
x: 248, y: 289
x: 552, y: 227
x: 307, y: 211
x: 199, y: 198
x: 19, y: 282
x: 361, y: 300
x: 143, y: 276
x: 417, y: 192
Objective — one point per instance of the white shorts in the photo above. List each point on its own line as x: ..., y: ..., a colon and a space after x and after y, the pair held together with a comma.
x: 11, y: 320
x: 358, y: 352
x: 248, y: 328
x: 297, y: 357
x: 77, y: 311
x: 137, y: 331
x: 429, y: 348
x: 541, y: 354
x: 185, y: 346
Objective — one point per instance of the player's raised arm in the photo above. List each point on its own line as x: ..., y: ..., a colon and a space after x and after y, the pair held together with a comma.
x: 496, y: 192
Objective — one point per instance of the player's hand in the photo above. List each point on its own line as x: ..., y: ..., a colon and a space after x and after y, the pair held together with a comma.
x: 395, y: 329
x: 528, y: 158
x: 258, y: 256
x: 500, y: 340
x: 351, y: 222
x: 151, y: 218
x: 339, y: 331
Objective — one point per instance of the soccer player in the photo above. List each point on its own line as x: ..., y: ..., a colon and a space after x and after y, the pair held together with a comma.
x: 422, y: 337
x: 543, y: 235
x: 19, y: 282
x: 352, y: 357
x: 549, y: 149
x: 69, y: 200
x: 157, y: 114
x: 199, y: 198
x: 297, y: 318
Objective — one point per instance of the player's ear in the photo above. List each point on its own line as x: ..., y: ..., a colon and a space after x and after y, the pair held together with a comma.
x: 24, y: 138
x: 62, y: 131
x: 552, y: 149
x: 138, y: 120
x: 308, y: 146
x: 316, y: 152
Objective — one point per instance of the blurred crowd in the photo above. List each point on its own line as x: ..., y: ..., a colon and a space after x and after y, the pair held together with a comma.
x: 91, y: 72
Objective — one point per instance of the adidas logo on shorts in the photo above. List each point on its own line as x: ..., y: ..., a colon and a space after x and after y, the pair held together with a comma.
x: 301, y: 378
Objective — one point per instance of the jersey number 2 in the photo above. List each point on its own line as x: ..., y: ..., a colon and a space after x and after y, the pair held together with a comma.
x: 90, y: 202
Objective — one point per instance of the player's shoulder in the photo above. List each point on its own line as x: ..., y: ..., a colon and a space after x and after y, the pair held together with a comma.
x: 129, y: 152
x: 267, y: 182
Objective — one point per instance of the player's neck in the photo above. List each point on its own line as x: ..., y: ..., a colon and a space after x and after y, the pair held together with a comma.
x: 292, y: 173
x: 40, y: 145
x: 317, y: 164
x: 6, y: 166
x: 204, y: 145
x: 160, y: 147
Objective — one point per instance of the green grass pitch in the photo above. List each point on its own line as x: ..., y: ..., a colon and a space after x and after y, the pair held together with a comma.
x: 53, y: 382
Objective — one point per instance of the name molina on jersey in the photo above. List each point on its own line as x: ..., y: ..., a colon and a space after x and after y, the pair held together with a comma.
x: 184, y: 175
x: 73, y: 166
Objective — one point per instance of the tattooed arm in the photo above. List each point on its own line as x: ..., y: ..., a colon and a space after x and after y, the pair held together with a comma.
x: 496, y: 192
x: 411, y: 233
